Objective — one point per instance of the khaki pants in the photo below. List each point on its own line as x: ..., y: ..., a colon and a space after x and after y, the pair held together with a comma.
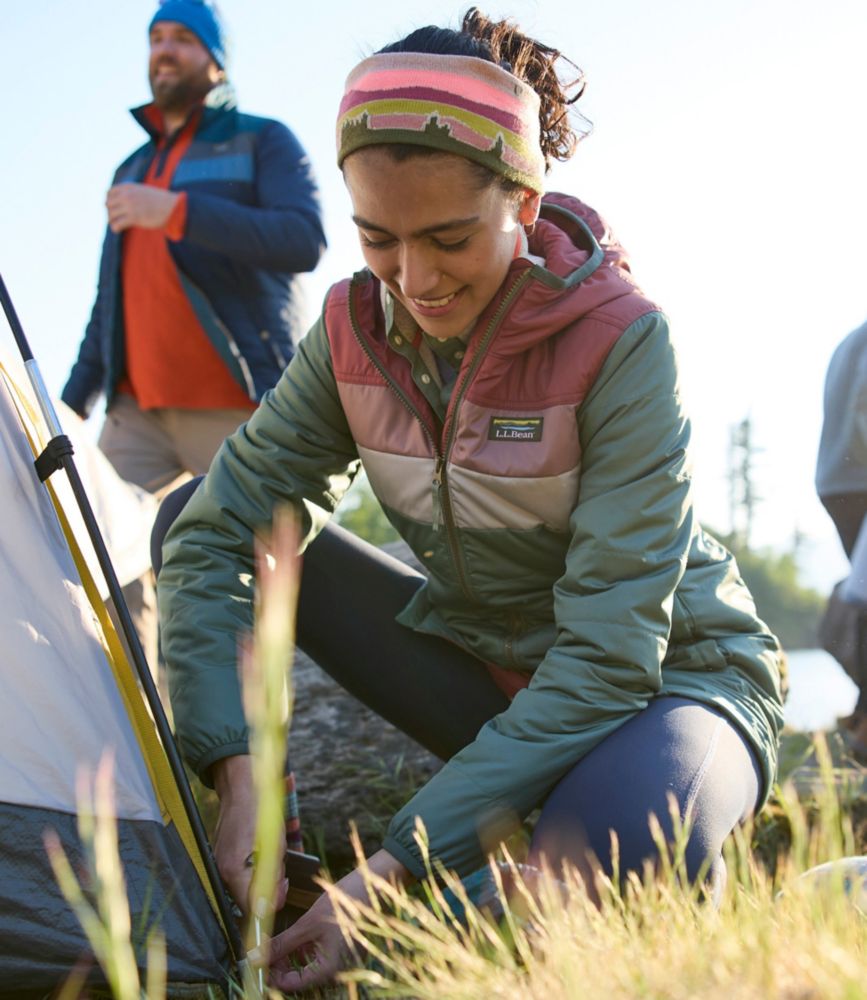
x: 158, y: 450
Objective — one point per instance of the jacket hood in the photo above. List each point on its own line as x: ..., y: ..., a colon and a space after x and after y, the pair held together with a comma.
x: 558, y: 208
x: 585, y: 270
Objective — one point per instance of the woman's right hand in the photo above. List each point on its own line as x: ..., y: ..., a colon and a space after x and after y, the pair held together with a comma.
x: 235, y: 833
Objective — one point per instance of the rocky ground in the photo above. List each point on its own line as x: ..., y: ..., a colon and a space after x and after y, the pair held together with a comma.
x: 349, y: 765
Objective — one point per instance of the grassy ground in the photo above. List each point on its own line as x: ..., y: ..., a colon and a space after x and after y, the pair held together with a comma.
x: 803, y: 775
x: 776, y: 934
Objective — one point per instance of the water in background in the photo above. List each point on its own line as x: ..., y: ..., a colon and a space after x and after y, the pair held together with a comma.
x: 820, y: 690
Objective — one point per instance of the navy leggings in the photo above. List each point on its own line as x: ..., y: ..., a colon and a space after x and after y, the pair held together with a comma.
x: 441, y: 696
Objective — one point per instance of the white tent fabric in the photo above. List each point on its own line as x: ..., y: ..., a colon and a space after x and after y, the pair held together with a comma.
x: 125, y: 512
x: 64, y: 703
x: 59, y: 704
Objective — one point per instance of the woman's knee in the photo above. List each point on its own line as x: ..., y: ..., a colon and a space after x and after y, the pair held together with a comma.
x: 678, y: 761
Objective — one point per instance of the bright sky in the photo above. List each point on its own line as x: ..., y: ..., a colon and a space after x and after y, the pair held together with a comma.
x: 727, y: 155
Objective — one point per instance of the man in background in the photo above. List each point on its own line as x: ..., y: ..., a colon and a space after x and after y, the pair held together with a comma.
x: 209, y: 222
x: 841, y: 482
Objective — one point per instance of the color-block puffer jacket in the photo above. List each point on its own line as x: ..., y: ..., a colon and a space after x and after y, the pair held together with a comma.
x: 552, y: 510
x: 253, y: 223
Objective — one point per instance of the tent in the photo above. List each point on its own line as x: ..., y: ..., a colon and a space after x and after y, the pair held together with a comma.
x: 68, y: 694
x: 125, y: 512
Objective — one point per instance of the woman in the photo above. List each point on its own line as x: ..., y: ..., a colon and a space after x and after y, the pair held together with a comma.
x: 580, y: 644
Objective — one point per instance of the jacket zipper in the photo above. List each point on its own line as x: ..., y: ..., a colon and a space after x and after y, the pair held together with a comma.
x: 168, y: 143
x: 436, y: 486
x: 230, y: 340
x: 406, y: 402
x: 163, y: 154
x: 442, y: 508
x: 451, y: 415
x: 265, y: 335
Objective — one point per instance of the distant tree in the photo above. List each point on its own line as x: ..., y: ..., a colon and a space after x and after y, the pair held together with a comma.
x: 743, y: 497
x: 790, y: 609
x: 361, y: 514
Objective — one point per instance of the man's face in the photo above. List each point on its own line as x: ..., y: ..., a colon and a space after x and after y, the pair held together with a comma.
x: 180, y: 69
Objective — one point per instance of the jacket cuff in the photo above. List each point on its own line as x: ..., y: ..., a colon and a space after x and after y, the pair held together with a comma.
x: 176, y: 225
x: 405, y: 857
x: 80, y: 401
x: 203, y: 765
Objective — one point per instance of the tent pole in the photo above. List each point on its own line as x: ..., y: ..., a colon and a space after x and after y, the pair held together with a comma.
x: 63, y: 459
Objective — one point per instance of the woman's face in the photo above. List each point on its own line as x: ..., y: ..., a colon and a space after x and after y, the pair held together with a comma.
x: 440, y: 245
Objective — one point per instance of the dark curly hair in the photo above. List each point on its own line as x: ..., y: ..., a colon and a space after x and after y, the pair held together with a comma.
x: 503, y: 43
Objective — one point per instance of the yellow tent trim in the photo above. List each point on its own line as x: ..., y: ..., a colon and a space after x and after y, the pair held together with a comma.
x: 163, y: 781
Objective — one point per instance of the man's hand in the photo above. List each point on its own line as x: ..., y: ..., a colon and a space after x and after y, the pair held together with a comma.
x: 138, y: 205
x: 236, y: 830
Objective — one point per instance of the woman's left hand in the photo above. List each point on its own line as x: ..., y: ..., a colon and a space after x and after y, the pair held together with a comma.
x: 310, y: 952
x: 313, y: 950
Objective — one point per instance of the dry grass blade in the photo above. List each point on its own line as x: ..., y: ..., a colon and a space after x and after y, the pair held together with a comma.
x: 107, y: 925
x: 267, y: 696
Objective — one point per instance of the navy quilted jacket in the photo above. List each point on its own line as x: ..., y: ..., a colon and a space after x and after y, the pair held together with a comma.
x: 253, y: 223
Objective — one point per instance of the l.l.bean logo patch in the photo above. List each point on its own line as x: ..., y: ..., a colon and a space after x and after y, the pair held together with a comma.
x: 515, y: 429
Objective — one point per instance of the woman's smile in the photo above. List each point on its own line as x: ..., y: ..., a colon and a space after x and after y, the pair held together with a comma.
x: 437, y: 307
x: 440, y: 244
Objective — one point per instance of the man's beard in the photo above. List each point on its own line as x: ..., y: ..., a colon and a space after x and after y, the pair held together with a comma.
x: 181, y: 92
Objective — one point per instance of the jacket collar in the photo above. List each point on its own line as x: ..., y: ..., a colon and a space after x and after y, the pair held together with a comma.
x: 218, y: 102
x: 584, y: 268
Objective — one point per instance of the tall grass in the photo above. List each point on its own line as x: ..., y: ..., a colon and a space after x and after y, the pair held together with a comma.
x: 785, y: 935
x: 267, y: 694
x: 268, y: 699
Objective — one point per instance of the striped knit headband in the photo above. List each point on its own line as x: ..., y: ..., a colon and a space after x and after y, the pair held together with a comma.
x: 456, y: 104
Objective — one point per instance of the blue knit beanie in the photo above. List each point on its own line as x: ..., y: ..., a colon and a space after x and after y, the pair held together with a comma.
x: 202, y: 18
